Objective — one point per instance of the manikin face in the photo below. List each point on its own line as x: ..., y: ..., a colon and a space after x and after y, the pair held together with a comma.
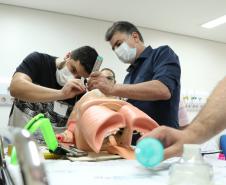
x: 109, y: 76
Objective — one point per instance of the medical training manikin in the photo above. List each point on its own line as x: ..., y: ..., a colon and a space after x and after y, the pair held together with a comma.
x: 100, y: 123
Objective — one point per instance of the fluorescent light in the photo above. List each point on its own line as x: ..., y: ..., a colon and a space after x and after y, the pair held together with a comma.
x: 215, y: 22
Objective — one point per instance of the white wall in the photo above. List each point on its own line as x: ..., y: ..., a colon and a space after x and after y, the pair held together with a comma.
x: 25, y: 30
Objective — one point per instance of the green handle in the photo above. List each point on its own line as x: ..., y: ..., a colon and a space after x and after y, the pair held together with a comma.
x: 42, y: 123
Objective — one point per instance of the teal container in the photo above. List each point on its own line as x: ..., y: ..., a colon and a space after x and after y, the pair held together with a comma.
x: 149, y: 152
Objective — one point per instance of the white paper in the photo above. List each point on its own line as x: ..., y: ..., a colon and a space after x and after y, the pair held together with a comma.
x: 116, y: 172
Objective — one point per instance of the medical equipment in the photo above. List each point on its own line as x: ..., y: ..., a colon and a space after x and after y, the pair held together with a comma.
x: 191, y: 169
x: 223, y: 144
x: 30, y: 163
x: 42, y: 123
x: 97, y: 64
x: 149, y: 152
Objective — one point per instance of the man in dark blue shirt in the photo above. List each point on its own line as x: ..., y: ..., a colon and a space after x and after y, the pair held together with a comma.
x: 153, y: 80
x: 162, y: 65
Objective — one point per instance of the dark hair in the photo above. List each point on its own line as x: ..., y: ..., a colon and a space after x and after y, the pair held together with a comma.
x: 87, y: 57
x: 123, y: 27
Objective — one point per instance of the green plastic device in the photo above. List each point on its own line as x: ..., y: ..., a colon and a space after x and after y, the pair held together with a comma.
x: 42, y: 123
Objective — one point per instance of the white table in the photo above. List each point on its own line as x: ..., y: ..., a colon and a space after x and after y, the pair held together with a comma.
x: 114, y: 172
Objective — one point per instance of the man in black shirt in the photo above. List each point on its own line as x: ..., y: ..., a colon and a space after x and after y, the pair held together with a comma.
x: 46, y: 84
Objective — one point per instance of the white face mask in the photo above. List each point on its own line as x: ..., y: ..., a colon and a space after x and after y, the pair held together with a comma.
x: 63, y: 75
x: 125, y: 53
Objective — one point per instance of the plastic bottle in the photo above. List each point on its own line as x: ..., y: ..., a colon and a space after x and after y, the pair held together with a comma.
x: 149, y: 152
x: 191, y: 169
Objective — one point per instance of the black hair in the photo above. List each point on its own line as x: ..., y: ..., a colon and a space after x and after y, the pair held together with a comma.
x: 123, y: 27
x: 87, y: 57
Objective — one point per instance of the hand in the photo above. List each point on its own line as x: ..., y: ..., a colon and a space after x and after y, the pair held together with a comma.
x: 72, y: 88
x: 98, y: 81
x: 171, y: 139
x: 68, y: 55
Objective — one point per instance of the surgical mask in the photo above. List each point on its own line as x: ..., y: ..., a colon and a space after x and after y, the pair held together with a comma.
x: 63, y: 75
x: 125, y: 53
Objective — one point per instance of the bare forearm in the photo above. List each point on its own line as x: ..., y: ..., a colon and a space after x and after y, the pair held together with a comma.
x: 27, y: 91
x: 212, y: 118
x: 152, y: 90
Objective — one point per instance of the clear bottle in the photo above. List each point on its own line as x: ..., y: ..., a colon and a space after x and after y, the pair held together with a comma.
x: 191, y: 169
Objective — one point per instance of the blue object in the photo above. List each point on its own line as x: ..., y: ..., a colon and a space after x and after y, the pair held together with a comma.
x: 149, y: 152
x: 223, y: 144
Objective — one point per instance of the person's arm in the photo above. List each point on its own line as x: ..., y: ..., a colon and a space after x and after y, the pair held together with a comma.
x: 150, y: 90
x: 212, y: 118
x: 21, y: 87
x: 209, y: 122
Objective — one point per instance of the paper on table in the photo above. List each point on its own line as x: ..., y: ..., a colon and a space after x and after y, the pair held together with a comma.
x: 92, y: 156
x: 116, y: 172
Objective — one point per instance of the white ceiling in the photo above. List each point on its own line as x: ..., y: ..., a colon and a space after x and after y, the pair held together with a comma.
x: 176, y: 16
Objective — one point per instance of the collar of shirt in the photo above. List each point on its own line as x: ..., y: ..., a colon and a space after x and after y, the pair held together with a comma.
x: 145, y: 54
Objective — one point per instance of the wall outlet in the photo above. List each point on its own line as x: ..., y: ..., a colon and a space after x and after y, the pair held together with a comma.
x: 6, y: 100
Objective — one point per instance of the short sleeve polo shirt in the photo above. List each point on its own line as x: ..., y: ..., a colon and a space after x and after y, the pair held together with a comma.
x: 158, y: 64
